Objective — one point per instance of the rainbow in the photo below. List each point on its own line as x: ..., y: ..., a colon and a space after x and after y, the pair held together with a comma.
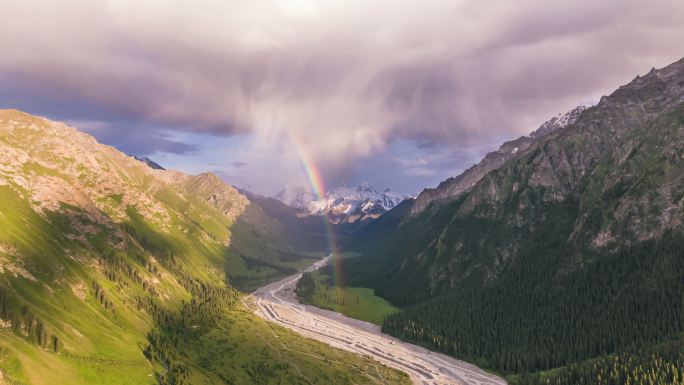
x: 317, y: 183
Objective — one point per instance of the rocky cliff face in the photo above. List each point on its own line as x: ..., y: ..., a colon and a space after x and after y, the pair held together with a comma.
x: 452, y: 188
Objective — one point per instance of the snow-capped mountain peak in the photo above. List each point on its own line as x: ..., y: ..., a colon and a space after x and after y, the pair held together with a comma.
x: 342, y: 204
x: 559, y: 121
x: 295, y: 196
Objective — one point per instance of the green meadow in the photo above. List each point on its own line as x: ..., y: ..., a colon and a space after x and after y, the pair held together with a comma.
x: 317, y: 289
x: 244, y: 349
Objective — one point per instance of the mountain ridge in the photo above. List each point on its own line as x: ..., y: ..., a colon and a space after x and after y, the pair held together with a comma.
x: 149, y: 162
x: 453, y: 187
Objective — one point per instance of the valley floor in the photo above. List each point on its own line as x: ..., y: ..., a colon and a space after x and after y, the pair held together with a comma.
x: 278, y: 303
x: 356, y: 302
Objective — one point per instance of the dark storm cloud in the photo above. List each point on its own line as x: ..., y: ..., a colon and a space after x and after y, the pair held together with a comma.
x: 343, y: 79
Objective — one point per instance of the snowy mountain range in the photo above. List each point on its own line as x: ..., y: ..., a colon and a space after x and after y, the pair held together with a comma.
x: 342, y: 204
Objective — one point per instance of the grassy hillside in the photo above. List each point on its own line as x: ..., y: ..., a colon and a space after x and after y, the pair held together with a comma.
x: 114, y: 273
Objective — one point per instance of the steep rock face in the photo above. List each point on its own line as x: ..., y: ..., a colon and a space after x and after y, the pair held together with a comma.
x: 452, y: 188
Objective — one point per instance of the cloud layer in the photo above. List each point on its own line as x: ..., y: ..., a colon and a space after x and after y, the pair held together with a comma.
x: 346, y: 79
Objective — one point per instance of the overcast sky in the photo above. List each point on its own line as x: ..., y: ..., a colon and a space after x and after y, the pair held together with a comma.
x: 400, y: 94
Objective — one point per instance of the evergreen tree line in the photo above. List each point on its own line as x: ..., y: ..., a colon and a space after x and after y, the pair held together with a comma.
x: 25, y: 324
x: 101, y: 297
x: 546, y: 312
x: 175, y: 328
x: 116, y: 266
x: 306, y: 287
x: 664, y: 367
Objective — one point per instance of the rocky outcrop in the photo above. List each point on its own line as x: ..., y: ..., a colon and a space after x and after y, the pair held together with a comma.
x: 216, y: 193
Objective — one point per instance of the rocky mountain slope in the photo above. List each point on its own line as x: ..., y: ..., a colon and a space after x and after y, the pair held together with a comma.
x: 574, y: 242
x: 342, y: 204
x: 113, y: 272
x: 452, y: 188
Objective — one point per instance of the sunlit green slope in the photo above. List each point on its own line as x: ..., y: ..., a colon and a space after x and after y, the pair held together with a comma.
x: 114, y: 273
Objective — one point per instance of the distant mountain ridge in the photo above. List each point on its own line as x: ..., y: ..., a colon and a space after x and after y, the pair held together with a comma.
x: 342, y: 204
x: 152, y: 164
x: 295, y: 196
